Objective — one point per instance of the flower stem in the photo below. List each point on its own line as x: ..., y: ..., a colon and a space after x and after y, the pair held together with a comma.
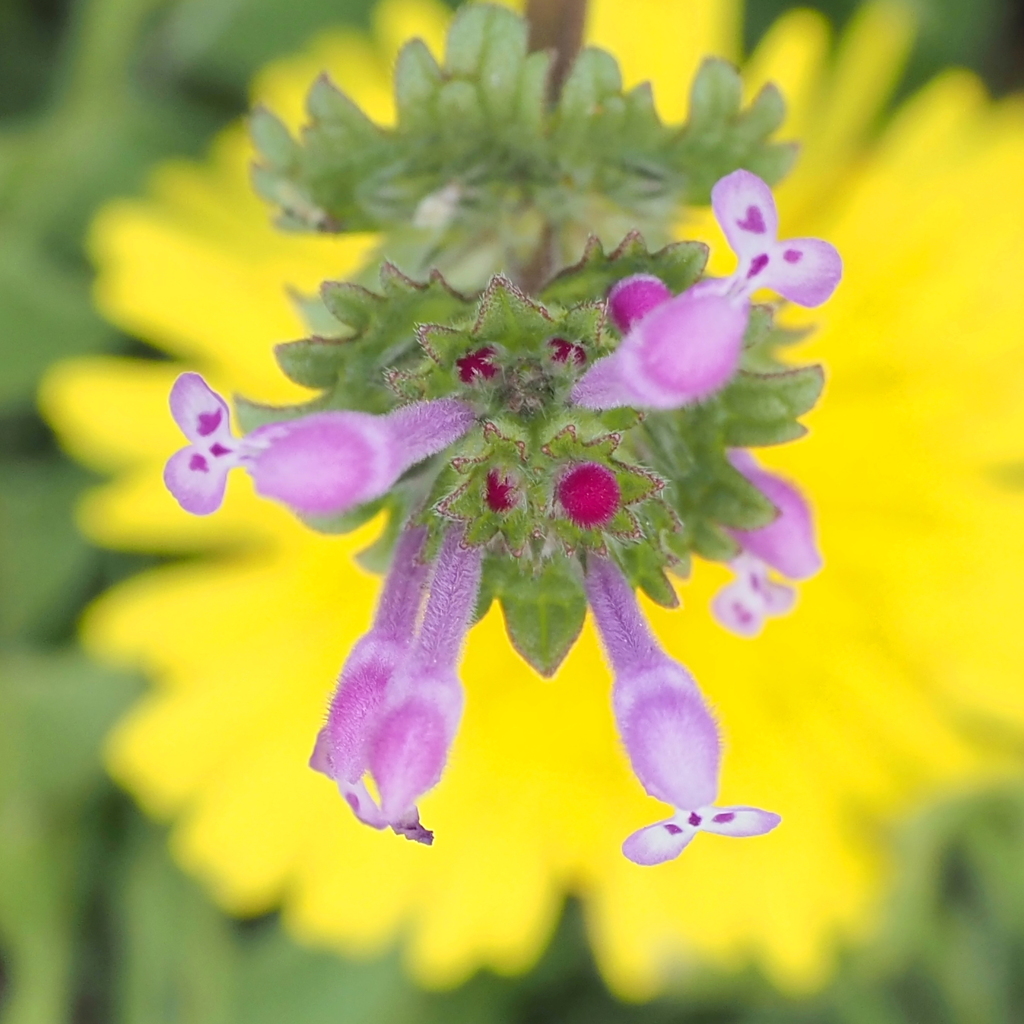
x: 557, y: 25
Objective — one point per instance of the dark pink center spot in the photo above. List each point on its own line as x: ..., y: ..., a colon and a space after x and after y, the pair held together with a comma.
x: 724, y: 818
x: 757, y: 264
x: 672, y: 829
x: 743, y: 614
x: 209, y: 422
x: 562, y: 349
x: 589, y: 494
x: 501, y: 492
x: 198, y: 464
x: 217, y: 450
x: 754, y: 221
x: 353, y: 801
x: 694, y: 819
x: 476, y: 364
x: 792, y: 255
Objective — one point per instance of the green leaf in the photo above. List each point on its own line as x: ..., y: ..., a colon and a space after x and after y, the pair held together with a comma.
x: 544, y: 613
x: 509, y: 318
x: 312, y: 362
x: 417, y: 81
x: 272, y: 139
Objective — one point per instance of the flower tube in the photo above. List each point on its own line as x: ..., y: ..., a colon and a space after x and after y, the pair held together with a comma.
x: 787, y: 545
x: 321, y: 464
x: 665, y: 725
x: 341, y: 751
x: 677, y: 350
x: 409, y: 746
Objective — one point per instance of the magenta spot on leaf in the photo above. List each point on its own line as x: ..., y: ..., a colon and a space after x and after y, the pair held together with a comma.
x: 694, y: 819
x: 792, y: 255
x: 754, y: 221
x: 476, y: 364
x: 672, y: 829
x: 562, y: 349
x: 757, y: 264
x: 209, y: 422
x: 590, y: 495
x: 724, y: 818
x: 501, y: 492
x: 217, y: 450
x: 198, y: 464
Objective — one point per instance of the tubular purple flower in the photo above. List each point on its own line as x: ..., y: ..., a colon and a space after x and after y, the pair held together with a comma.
x: 409, y: 746
x: 787, y: 543
x: 321, y: 464
x: 668, y: 731
x: 681, y: 351
x: 341, y: 750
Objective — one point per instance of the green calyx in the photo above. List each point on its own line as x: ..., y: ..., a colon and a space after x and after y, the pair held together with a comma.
x: 481, y: 171
x: 514, y: 360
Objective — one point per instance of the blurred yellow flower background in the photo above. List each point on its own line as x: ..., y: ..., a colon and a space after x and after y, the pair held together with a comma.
x: 898, y: 677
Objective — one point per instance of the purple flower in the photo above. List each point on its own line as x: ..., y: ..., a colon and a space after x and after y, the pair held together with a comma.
x: 321, y: 464
x: 197, y: 474
x: 787, y: 545
x: 680, y: 349
x: 668, y: 731
x: 341, y: 750
x: 803, y: 270
x: 399, y: 699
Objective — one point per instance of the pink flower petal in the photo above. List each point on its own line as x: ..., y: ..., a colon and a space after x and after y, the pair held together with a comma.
x: 634, y: 297
x: 408, y: 755
x: 671, y: 738
x: 658, y: 843
x: 788, y: 544
x: 196, y: 480
x: 685, y: 349
x: 738, y: 821
x: 325, y: 463
x: 201, y: 413
x: 745, y: 208
x: 804, y: 270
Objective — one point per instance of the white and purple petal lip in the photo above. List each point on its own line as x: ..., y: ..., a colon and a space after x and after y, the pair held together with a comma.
x: 409, y: 747
x: 804, y: 270
x: 197, y: 474
x: 744, y: 605
x: 330, y: 462
x: 683, y: 350
x: 341, y: 751
x: 668, y: 732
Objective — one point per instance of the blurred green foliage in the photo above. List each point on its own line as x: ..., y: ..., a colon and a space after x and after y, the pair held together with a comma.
x: 97, y: 926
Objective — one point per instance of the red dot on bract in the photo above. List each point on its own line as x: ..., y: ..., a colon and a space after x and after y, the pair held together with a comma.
x: 476, y: 364
x: 589, y: 494
x: 501, y: 492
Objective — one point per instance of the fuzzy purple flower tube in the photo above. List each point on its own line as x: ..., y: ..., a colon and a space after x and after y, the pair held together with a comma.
x: 666, y: 727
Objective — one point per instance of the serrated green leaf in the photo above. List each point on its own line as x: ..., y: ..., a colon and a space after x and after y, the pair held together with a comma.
x: 459, y: 109
x: 333, y: 110
x: 465, y: 43
x: 312, y: 362
x: 509, y: 318
x: 544, y: 614
x: 501, y: 63
x: 712, y: 543
x: 714, y: 96
x: 417, y: 82
x: 272, y: 139
x: 734, y: 501
x: 351, y: 304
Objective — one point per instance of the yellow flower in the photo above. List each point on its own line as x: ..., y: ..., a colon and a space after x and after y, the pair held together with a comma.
x: 892, y: 681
